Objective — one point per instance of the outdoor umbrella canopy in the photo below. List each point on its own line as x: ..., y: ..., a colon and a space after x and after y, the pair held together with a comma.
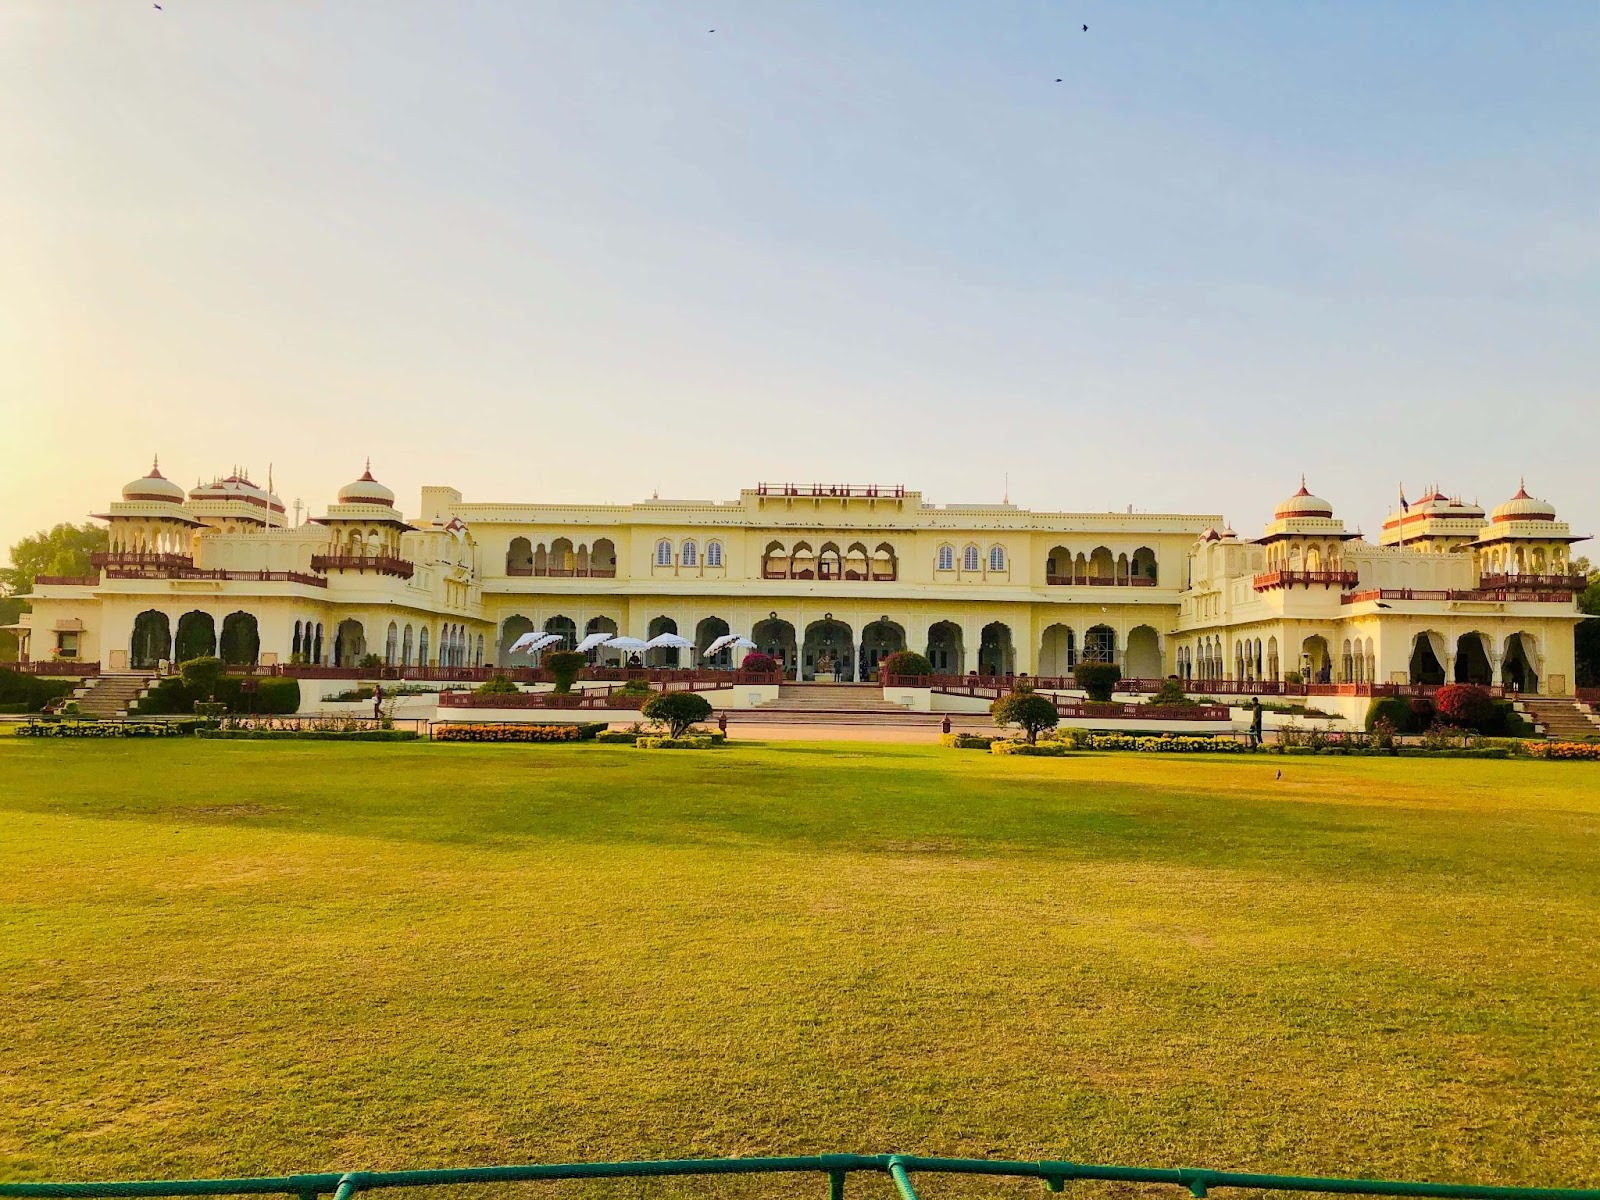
x: 742, y: 643
x: 595, y: 639
x: 726, y: 639
x: 530, y: 642
x: 669, y: 641
x: 627, y: 643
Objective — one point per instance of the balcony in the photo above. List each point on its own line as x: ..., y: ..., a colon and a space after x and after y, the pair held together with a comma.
x: 1270, y: 580
x: 140, y: 560
x: 827, y: 576
x: 1534, y: 583
x: 1501, y: 595
x: 563, y: 572
x: 1099, y: 581
x: 378, y: 564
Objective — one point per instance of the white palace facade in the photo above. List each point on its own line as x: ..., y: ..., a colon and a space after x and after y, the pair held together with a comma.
x: 820, y: 575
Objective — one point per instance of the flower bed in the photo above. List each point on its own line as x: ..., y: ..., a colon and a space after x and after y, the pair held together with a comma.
x: 311, y: 735
x: 1166, y: 745
x: 616, y: 699
x: 1004, y: 746
x: 1566, y: 751
x: 515, y: 733
x: 103, y: 729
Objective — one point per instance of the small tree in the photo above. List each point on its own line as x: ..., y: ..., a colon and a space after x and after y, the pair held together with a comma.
x: 759, y: 664
x: 905, y: 662
x: 564, y: 666
x: 497, y: 685
x: 1097, y: 678
x: 200, y: 675
x: 677, y: 710
x: 1466, y: 706
x: 1028, y: 709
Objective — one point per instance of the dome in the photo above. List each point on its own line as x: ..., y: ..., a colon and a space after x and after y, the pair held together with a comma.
x: 237, y: 487
x: 1303, y: 504
x: 154, y: 487
x: 366, y: 490
x: 1523, y: 507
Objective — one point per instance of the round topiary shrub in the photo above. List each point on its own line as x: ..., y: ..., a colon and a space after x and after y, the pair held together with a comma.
x: 759, y: 664
x: 1097, y: 678
x: 564, y: 666
x: 905, y: 662
x: 1466, y: 706
x: 497, y: 685
x: 200, y: 675
x: 676, y: 710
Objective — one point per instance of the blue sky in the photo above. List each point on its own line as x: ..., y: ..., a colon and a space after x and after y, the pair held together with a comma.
x: 589, y: 251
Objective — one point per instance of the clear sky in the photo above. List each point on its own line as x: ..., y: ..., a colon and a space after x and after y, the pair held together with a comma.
x: 590, y: 250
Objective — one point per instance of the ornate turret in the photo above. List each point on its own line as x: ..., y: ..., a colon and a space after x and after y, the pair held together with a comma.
x: 1524, y: 547
x: 364, y: 530
x: 150, y: 527
x: 1303, y: 542
x: 233, y: 504
x: 1434, y: 522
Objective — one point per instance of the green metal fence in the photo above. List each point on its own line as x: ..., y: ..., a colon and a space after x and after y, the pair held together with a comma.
x: 835, y: 1168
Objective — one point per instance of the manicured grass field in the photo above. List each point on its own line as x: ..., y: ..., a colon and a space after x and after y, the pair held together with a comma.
x: 251, y: 958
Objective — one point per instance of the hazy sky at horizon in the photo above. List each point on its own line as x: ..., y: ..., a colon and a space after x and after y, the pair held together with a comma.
x: 588, y: 251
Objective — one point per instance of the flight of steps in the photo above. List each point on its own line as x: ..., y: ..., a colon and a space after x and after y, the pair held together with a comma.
x: 1560, y: 719
x: 832, y: 698
x: 111, y: 694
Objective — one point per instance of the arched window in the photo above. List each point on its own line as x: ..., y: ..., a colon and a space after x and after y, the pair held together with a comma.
x: 947, y: 558
x: 690, y: 554
x: 997, y: 558
x: 713, y: 554
x: 663, y: 553
x: 970, y: 560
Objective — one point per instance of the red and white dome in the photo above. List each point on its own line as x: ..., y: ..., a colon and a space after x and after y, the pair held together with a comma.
x: 366, y: 490
x: 1303, y: 504
x: 154, y: 488
x: 1523, y: 507
x: 236, y: 487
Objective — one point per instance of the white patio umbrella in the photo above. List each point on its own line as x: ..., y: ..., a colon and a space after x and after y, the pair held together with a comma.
x: 529, y: 642
x: 591, y: 641
x: 627, y: 643
x: 726, y: 639
x: 669, y: 641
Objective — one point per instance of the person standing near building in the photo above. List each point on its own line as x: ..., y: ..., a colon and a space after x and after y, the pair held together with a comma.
x: 1255, y: 722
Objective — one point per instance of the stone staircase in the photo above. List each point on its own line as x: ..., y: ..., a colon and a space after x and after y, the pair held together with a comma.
x: 111, y: 695
x: 1559, y: 718
x: 832, y: 698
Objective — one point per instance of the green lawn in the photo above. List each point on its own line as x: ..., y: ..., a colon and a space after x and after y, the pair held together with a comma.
x: 247, y: 958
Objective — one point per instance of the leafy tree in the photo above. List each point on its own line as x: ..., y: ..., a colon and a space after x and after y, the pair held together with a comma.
x: 677, y: 710
x: 11, y: 607
x: 905, y: 662
x: 1028, y: 709
x: 1466, y: 706
x: 564, y: 665
x: 1586, y: 635
x: 61, y: 550
x: 1097, y: 678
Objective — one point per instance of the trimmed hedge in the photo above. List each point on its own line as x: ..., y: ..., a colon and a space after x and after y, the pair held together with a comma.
x: 968, y: 741
x: 701, y: 742
x: 310, y: 735
x: 23, y: 693
x: 617, y: 737
x: 516, y: 733
x: 1170, y: 744
x: 101, y: 729
x: 1098, y: 679
x: 905, y: 662
x: 172, y: 696
x: 1039, y: 750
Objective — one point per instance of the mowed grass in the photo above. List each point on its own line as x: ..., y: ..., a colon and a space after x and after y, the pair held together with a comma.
x: 253, y: 958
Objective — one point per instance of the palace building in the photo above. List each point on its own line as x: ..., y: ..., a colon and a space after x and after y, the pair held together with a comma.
x: 828, y: 578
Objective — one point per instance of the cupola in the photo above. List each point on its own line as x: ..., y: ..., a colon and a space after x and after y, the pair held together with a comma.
x: 154, y: 488
x: 366, y: 490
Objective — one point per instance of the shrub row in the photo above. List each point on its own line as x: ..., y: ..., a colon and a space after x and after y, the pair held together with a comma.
x: 311, y: 735
x: 516, y: 733
x: 1006, y: 746
x: 705, y: 741
x: 1175, y: 744
x: 968, y: 741
x: 101, y: 729
x: 173, y: 696
x: 1566, y: 751
x: 21, y: 693
x: 617, y: 737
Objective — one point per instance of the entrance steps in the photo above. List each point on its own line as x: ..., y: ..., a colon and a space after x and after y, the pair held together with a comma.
x: 112, y: 694
x: 1559, y: 718
x: 838, y: 698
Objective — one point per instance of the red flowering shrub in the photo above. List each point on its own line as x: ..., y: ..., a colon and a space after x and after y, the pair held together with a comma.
x: 759, y: 663
x: 1465, y: 706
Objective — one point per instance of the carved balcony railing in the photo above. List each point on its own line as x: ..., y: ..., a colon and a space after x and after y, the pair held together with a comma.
x: 1270, y: 580
x: 1532, y: 583
x: 130, y: 560
x: 378, y: 564
x: 563, y: 572
x: 1099, y: 581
